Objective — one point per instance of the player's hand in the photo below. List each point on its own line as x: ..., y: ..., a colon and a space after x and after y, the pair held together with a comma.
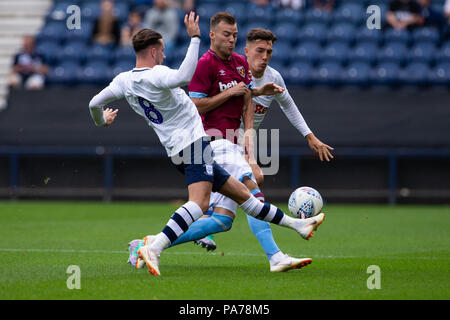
x: 239, y: 90
x: 110, y: 115
x: 322, y: 149
x: 271, y: 88
x: 192, y: 24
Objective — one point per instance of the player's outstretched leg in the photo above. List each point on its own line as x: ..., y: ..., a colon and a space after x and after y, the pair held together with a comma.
x: 201, y: 228
x: 177, y: 225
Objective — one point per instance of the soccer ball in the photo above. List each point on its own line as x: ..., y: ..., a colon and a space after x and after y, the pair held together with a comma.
x: 305, y: 202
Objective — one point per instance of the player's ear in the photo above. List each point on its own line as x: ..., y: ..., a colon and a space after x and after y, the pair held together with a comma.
x: 246, y: 50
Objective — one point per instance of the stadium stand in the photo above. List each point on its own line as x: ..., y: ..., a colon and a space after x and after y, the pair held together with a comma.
x: 333, y: 48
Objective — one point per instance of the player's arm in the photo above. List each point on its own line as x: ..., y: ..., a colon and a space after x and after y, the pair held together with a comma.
x: 102, y: 117
x: 207, y: 104
x: 291, y: 111
x: 248, y: 118
x: 268, y: 89
x: 169, y: 78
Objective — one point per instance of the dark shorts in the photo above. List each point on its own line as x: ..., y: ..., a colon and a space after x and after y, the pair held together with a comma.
x: 198, y: 167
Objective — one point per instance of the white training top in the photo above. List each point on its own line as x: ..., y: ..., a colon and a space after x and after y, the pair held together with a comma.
x: 284, y: 99
x: 155, y: 94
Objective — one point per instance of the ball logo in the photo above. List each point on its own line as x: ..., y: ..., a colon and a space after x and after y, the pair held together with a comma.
x: 307, y: 209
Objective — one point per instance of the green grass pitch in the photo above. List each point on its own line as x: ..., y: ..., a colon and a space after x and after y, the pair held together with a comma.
x: 40, y: 240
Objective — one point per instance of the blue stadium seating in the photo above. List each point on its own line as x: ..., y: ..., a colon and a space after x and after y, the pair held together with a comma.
x: 312, y: 32
x: 415, y: 73
x: 52, y: 31
x: 344, y: 32
x: 125, y: 53
x: 443, y: 54
x: 364, y: 52
x: 335, y: 52
x: 393, y: 52
x: 386, y: 73
x: 49, y: 50
x: 298, y: 73
x: 286, y: 32
x: 350, y: 12
x: 313, y: 15
x: 99, y: 53
x: 95, y: 72
x: 290, y: 16
x: 122, y: 66
x: 64, y: 73
x: 238, y: 9
x: 258, y: 14
x: 422, y: 52
x: 328, y: 73
x: 313, y: 46
x: 426, y: 34
x: 357, y: 73
x: 365, y: 34
x: 307, y: 52
x: 397, y: 35
x: 72, y: 51
x: 440, y: 74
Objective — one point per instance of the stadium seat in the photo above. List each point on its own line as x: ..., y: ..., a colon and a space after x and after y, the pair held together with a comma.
x: 258, y: 14
x: 59, y: 10
x: 335, y: 52
x: 443, y: 54
x: 415, y: 73
x: 426, y: 34
x: 314, y: 15
x: 238, y: 9
x: 344, y: 32
x: 242, y: 33
x: 393, y: 52
x: 312, y: 32
x: 440, y: 74
x: 357, y: 73
x: 98, y: 52
x: 90, y: 10
x: 307, y: 52
x: 73, y: 51
x: 364, y: 52
x: 121, y: 10
x: 282, y: 49
x: 83, y: 34
x: 125, y: 53
x: 207, y: 10
x: 95, y: 72
x: 64, y: 73
x: 328, y: 73
x: 286, y: 32
x: 396, y: 35
x: 422, y: 52
x: 290, y: 16
x: 49, y: 50
x: 365, y: 34
x: 277, y: 62
x: 350, y: 12
x: 122, y: 66
x: 298, y: 73
x: 52, y: 31
x: 386, y: 73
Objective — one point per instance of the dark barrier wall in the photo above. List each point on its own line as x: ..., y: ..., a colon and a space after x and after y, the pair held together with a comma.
x: 407, y: 118
x: 360, y: 120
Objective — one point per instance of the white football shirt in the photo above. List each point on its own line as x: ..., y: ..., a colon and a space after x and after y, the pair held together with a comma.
x: 155, y: 94
x: 284, y: 99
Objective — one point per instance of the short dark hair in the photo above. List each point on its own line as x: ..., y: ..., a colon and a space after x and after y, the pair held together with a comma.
x: 261, y: 34
x: 145, y: 38
x: 221, y: 16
